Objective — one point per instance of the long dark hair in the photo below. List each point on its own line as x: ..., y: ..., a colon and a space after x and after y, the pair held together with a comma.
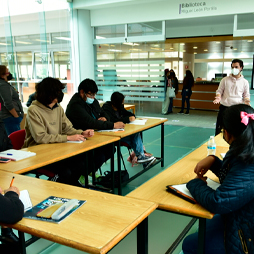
x: 243, y: 145
x: 188, y: 79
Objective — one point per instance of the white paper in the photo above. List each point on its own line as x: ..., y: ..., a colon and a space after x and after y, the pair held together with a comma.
x: 16, y: 155
x: 25, y: 198
x: 78, y: 141
x: 223, y: 155
x: 139, y: 122
x: 182, y: 187
x: 113, y: 130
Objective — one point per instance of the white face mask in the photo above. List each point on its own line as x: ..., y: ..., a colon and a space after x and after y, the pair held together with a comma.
x: 235, y: 71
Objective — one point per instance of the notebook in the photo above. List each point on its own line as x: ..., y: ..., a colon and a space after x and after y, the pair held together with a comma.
x: 16, y: 155
x: 25, y: 198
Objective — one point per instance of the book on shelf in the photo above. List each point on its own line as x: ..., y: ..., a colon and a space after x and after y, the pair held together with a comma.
x: 54, y: 209
x: 181, y: 190
x: 16, y: 155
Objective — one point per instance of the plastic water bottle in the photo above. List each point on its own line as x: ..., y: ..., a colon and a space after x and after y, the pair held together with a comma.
x: 211, y: 146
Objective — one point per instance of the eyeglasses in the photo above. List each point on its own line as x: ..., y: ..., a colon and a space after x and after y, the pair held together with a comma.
x: 91, y: 95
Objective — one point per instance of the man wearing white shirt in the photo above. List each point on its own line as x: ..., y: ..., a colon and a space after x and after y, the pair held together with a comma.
x: 233, y: 89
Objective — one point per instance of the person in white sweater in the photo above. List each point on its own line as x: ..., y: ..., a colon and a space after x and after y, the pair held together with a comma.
x: 233, y: 89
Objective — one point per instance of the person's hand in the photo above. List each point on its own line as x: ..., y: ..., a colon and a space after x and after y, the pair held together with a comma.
x: 119, y: 125
x: 88, y: 133
x: 132, y: 118
x: 203, y: 166
x: 217, y: 99
x: 102, y: 119
x: 76, y: 137
x: 247, y: 101
x: 1, y: 191
x: 12, y: 188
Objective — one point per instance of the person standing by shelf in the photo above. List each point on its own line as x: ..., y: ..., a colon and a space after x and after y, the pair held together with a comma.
x: 233, y: 89
x: 171, y: 89
x: 188, y: 83
x: 11, y: 108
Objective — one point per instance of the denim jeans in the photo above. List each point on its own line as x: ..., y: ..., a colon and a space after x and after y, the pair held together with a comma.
x: 136, y: 143
x: 214, y: 239
x: 186, y: 97
x: 12, y: 124
x: 170, y: 107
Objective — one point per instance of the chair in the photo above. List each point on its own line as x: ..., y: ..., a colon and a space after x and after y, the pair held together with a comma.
x: 122, y: 143
x: 17, y: 139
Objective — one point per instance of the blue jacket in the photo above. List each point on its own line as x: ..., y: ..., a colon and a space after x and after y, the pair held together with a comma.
x: 234, y: 200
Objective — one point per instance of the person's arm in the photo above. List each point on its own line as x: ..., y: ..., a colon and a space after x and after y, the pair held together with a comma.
x: 126, y: 116
x: 236, y: 190
x: 176, y: 86
x: 219, y: 92
x: 12, y: 209
x: 246, y: 93
x: 5, y: 93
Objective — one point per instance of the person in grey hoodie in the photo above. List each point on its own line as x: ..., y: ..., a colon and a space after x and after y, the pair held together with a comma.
x: 11, y: 111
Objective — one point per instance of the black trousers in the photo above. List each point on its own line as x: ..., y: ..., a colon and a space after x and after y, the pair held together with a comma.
x: 222, y: 108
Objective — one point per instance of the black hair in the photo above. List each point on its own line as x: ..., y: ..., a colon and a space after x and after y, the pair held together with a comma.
x: 243, y: 145
x: 117, y: 99
x: 47, y: 90
x: 188, y: 78
x: 238, y: 61
x: 172, y: 73
x: 88, y: 85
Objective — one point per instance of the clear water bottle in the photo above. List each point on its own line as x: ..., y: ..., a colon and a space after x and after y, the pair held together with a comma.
x: 211, y: 146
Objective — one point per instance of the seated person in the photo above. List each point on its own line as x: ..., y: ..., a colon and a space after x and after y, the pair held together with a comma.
x: 12, y: 210
x: 5, y: 144
x: 84, y: 112
x: 47, y: 123
x: 116, y: 111
x: 31, y: 98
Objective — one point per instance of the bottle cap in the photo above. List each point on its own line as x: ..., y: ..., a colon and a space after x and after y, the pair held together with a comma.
x: 211, y: 136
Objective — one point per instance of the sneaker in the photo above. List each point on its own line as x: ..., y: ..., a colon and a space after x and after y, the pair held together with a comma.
x: 148, y: 164
x: 82, y: 182
x: 181, y: 112
x: 143, y: 158
x: 187, y: 113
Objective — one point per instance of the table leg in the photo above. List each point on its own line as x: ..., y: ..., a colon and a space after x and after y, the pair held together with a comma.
x: 162, y: 145
x: 119, y: 168
x: 201, y: 235
x: 142, y: 237
x: 86, y: 170
x: 112, y: 167
x: 22, y: 242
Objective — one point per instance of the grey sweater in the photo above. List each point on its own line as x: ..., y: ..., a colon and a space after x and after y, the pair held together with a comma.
x: 9, y: 99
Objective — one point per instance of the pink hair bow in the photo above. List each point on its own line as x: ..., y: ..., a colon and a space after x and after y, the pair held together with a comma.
x: 245, y: 117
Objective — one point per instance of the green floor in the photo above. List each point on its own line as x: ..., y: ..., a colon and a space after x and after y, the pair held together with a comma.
x: 163, y: 227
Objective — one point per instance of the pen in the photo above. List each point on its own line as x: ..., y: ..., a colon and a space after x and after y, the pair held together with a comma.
x: 7, y: 153
x: 12, y: 181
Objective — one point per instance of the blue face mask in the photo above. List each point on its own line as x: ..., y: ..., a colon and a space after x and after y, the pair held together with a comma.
x: 89, y: 100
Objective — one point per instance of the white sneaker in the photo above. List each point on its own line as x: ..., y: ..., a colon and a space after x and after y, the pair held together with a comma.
x: 148, y: 164
x: 144, y: 159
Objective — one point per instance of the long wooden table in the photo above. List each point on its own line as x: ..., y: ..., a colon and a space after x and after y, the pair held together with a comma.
x: 181, y: 172
x: 96, y: 227
x: 131, y: 129
x: 49, y: 153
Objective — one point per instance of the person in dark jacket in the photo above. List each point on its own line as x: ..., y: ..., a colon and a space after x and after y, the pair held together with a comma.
x: 116, y: 111
x: 232, y: 228
x: 84, y: 112
x: 188, y: 83
x: 31, y: 98
x: 11, y: 108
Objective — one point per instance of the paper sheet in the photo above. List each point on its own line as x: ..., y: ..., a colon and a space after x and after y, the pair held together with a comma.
x: 113, y: 130
x: 25, y: 198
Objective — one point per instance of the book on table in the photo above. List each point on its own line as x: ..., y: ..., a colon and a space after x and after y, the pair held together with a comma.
x: 16, y: 155
x: 181, y: 190
x: 54, y: 209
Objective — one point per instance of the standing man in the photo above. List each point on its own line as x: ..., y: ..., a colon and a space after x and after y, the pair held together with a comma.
x: 233, y: 89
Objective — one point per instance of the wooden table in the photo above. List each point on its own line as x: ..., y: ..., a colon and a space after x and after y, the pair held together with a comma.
x: 132, y: 129
x: 129, y: 106
x: 96, y: 227
x: 50, y: 153
x: 181, y: 172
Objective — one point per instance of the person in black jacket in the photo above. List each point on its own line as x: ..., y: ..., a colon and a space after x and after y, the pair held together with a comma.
x: 84, y: 112
x: 232, y: 228
x: 116, y: 111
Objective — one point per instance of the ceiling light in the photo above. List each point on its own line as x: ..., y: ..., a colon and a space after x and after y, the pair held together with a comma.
x: 136, y: 49
x: 100, y: 37
x: 182, y: 44
x: 115, y: 50
x: 131, y: 43
x: 4, y: 44
x: 156, y: 48
x: 205, y: 49
x: 41, y: 40
x: 218, y: 42
x: 63, y: 38
x: 235, y: 48
x: 171, y: 48
x: 250, y: 41
x: 184, y: 50
x: 23, y: 42
x: 195, y: 53
x: 195, y: 47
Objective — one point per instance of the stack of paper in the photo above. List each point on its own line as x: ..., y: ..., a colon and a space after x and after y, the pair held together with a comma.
x: 16, y: 155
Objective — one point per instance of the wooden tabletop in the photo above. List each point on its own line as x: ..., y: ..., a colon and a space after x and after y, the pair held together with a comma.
x: 181, y: 172
x: 132, y: 128
x: 50, y: 153
x: 96, y: 227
